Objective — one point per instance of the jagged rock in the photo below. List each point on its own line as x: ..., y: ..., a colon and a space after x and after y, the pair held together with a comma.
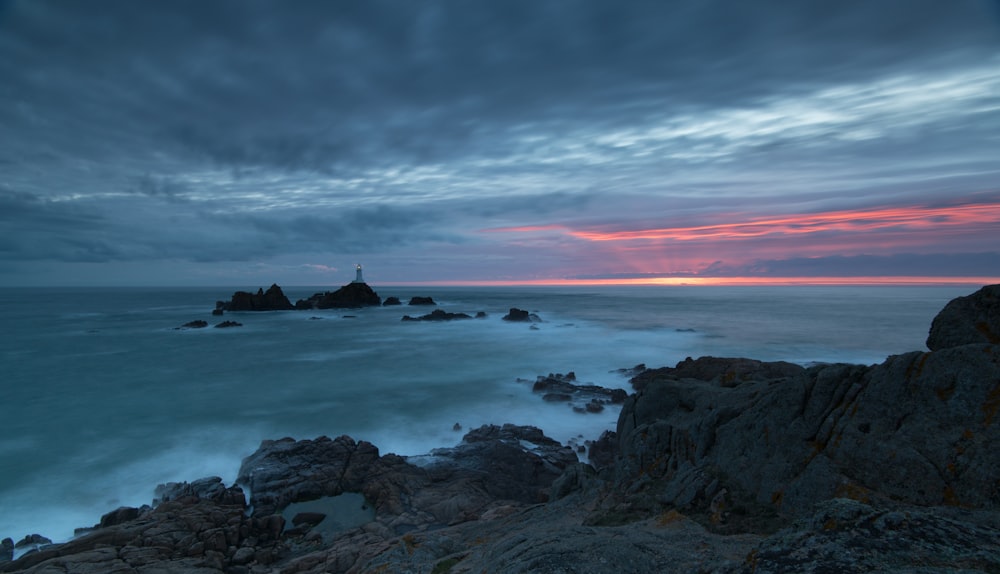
x: 724, y: 371
x: 422, y: 301
x: 184, y: 535
x: 563, y: 385
x: 228, y: 324
x: 391, y: 301
x: 438, y: 315
x: 271, y: 300
x: 350, y: 296
x: 915, y: 429
x: 118, y: 516
x: 447, y: 486
x: 520, y: 315
x: 208, y: 488
x: 32, y: 540
x: 967, y: 320
x: 197, y: 324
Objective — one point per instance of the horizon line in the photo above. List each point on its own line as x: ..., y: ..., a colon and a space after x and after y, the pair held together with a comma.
x: 708, y: 281
x: 696, y: 281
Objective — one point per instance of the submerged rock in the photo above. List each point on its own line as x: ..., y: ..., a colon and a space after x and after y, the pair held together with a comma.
x: 438, y: 315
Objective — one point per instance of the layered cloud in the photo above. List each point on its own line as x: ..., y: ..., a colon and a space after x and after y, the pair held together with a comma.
x: 644, y: 137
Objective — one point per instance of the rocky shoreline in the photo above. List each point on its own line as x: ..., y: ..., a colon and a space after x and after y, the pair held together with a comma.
x: 725, y: 465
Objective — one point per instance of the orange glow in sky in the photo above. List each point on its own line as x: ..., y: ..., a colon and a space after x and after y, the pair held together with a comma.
x: 912, y: 218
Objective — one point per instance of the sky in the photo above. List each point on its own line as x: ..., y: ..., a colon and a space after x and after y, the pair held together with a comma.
x: 251, y: 142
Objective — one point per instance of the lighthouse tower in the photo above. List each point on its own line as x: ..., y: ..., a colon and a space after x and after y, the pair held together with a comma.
x: 358, y: 278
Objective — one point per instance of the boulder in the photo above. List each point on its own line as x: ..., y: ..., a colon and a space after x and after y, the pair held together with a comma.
x: 438, y: 315
x: 350, y: 296
x: 520, y: 315
x: 391, y: 301
x: 271, y: 300
x: 422, y: 301
x: 969, y: 320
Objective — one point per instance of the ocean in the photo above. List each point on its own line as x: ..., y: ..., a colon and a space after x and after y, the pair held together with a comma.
x: 103, y: 397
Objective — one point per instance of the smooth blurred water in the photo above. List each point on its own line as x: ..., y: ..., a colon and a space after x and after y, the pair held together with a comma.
x: 103, y: 399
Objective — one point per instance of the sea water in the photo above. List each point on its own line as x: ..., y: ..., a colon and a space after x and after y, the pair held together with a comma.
x: 103, y: 397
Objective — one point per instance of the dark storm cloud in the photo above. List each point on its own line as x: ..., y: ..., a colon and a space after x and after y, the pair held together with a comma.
x: 241, y: 129
x: 324, y: 85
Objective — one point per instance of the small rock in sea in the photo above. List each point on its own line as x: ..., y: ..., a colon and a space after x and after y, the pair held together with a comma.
x: 521, y: 315
x: 391, y: 301
x: 422, y: 301
x: 457, y: 427
x: 199, y: 324
x: 227, y: 324
x: 350, y: 316
x: 315, y: 318
x: 481, y: 315
x: 217, y: 312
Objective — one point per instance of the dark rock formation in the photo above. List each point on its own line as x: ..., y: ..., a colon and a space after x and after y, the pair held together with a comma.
x: 914, y: 429
x: 228, y: 324
x: 521, y: 315
x: 422, y: 301
x: 447, y: 486
x: 350, y: 296
x: 271, y: 300
x: 6, y: 550
x: 437, y: 315
x: 589, y: 398
x: 197, y: 324
x: 967, y: 320
x: 391, y: 301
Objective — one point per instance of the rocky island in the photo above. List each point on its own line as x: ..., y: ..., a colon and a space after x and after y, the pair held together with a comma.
x: 723, y: 465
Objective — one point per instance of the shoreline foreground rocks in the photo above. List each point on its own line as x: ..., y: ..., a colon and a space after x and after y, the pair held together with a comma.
x: 723, y: 465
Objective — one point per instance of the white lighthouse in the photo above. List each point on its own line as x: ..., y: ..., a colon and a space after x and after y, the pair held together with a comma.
x: 358, y: 278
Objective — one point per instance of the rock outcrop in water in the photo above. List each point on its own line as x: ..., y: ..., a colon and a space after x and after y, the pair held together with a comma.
x: 717, y: 465
x: 350, y: 296
x: 271, y: 300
